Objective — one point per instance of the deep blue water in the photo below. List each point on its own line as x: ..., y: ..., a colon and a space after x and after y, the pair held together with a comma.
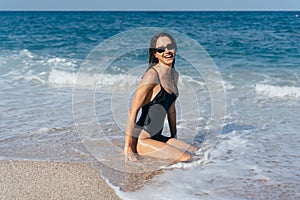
x: 271, y: 36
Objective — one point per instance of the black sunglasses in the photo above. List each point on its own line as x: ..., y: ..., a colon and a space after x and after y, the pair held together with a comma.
x: 162, y: 49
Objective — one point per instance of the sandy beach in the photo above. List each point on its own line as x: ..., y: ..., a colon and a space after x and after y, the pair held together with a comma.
x: 51, y: 180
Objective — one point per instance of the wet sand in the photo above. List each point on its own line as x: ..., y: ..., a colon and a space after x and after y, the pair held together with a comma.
x: 52, y: 180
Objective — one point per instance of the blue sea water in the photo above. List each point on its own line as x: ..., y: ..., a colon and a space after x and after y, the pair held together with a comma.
x: 257, y: 54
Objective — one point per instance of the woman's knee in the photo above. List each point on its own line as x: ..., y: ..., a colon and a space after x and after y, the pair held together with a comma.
x: 143, y: 144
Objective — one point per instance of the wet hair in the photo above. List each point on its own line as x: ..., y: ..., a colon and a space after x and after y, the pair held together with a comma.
x: 152, y: 59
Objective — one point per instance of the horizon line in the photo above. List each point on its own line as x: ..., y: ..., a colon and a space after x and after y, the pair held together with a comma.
x: 149, y: 10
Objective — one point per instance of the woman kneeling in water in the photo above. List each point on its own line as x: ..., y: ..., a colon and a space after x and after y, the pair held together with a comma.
x: 156, y: 95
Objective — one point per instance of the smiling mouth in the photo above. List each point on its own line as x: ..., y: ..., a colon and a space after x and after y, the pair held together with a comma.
x: 169, y: 55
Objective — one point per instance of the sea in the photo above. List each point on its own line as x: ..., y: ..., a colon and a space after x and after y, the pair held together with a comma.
x: 67, y: 80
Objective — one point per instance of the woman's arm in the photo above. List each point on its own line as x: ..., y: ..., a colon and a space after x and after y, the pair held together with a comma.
x: 142, y: 93
x: 172, y: 120
x: 172, y: 110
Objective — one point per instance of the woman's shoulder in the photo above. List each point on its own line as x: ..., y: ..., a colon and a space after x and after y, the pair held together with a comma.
x: 150, y: 76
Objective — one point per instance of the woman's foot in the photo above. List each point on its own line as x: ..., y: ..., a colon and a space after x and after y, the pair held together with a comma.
x: 192, y: 149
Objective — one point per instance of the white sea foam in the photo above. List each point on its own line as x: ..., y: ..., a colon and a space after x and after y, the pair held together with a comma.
x: 67, y: 78
x: 200, y: 174
x: 59, y: 71
x: 28, y: 66
x: 27, y: 53
x: 278, y: 91
x: 61, y: 62
x: 31, y: 59
x: 59, y: 77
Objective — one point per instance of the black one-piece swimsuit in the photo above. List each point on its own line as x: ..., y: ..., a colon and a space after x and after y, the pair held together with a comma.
x: 154, y: 113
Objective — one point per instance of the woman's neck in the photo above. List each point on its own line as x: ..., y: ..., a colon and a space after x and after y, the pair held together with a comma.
x: 164, y: 67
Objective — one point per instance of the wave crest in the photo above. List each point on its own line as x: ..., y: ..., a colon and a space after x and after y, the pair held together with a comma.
x: 278, y: 91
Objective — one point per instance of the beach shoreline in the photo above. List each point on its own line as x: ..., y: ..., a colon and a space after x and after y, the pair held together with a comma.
x: 52, y: 180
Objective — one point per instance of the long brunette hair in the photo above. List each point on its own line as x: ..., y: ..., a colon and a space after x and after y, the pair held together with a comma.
x: 152, y: 59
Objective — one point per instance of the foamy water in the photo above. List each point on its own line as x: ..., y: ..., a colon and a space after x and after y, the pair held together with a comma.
x: 256, y: 157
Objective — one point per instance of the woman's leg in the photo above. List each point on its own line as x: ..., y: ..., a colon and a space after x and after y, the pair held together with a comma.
x: 152, y: 148
x: 181, y: 145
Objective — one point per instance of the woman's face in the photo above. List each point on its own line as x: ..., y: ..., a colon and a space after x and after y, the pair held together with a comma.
x: 165, y: 51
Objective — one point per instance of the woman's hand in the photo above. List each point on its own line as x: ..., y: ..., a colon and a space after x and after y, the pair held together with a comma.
x: 129, y: 154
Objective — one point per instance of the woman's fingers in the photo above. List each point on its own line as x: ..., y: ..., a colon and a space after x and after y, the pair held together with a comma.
x: 130, y: 156
x: 133, y: 158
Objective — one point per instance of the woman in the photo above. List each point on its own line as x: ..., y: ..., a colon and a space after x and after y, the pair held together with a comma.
x: 156, y: 95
